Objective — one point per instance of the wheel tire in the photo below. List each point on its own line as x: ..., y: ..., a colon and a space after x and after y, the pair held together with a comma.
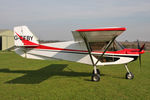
x: 95, y: 77
x: 98, y: 71
x: 129, y: 76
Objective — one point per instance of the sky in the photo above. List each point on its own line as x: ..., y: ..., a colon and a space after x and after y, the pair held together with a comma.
x: 55, y: 19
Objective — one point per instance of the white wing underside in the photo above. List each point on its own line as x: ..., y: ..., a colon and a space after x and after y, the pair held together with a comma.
x: 96, y: 36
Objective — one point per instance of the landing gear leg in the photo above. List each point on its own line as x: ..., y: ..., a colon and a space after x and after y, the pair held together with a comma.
x: 96, y: 75
x: 128, y: 75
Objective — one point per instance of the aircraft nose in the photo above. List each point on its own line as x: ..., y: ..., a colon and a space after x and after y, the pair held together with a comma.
x: 142, y: 52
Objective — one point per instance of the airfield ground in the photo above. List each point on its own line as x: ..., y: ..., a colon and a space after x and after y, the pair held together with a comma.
x: 26, y: 79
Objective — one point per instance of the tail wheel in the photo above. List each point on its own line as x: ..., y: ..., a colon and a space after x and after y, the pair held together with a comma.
x: 96, y: 77
x: 129, y: 75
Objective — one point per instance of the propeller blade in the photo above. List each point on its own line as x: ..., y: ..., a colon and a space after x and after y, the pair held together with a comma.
x: 140, y: 54
x: 142, y: 47
x: 138, y: 44
x: 140, y: 61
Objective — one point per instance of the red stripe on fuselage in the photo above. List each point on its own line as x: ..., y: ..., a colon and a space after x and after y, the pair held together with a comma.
x: 124, y: 51
x: 54, y: 48
x: 30, y: 44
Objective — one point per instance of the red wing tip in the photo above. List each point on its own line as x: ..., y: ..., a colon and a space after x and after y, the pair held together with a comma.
x: 103, y: 29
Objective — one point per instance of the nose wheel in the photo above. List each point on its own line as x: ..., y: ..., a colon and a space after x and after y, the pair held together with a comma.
x: 128, y: 75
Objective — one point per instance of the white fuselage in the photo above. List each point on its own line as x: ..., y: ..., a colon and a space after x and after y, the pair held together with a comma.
x: 71, y: 51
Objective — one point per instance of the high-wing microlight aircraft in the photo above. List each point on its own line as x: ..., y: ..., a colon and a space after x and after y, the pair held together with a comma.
x: 96, y: 47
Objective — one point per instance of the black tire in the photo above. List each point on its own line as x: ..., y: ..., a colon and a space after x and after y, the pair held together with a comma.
x: 98, y: 71
x: 129, y: 76
x: 95, y: 77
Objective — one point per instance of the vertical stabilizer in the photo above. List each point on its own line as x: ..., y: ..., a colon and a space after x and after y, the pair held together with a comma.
x: 24, y: 37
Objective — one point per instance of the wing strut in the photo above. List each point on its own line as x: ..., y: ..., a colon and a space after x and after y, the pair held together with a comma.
x: 108, y: 45
x: 88, y: 46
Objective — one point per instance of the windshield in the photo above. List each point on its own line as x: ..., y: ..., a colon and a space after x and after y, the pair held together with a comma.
x: 100, y: 46
x: 119, y: 45
x: 115, y: 46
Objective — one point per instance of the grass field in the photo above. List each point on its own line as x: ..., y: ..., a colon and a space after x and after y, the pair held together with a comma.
x: 26, y: 79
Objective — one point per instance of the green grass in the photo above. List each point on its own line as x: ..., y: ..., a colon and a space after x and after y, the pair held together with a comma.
x: 27, y: 79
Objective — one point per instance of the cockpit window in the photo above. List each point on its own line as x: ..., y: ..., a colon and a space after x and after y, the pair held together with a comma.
x: 119, y: 45
x: 100, y: 46
x: 115, y: 46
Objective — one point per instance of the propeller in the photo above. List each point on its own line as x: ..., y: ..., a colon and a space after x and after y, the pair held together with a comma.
x: 140, y: 49
x: 138, y: 44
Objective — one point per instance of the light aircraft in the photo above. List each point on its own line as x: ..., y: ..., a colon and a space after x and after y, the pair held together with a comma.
x: 96, y: 47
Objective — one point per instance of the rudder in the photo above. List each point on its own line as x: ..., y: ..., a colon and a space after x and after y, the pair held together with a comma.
x: 24, y: 37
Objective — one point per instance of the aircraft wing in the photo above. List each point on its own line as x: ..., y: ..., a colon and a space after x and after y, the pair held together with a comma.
x: 98, y: 34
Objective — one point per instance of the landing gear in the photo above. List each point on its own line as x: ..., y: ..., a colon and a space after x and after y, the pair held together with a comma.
x: 96, y: 75
x: 98, y: 71
x: 128, y: 75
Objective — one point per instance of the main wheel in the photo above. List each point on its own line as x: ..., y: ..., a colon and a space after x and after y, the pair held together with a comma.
x: 129, y: 75
x: 96, y: 77
x: 98, y: 71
